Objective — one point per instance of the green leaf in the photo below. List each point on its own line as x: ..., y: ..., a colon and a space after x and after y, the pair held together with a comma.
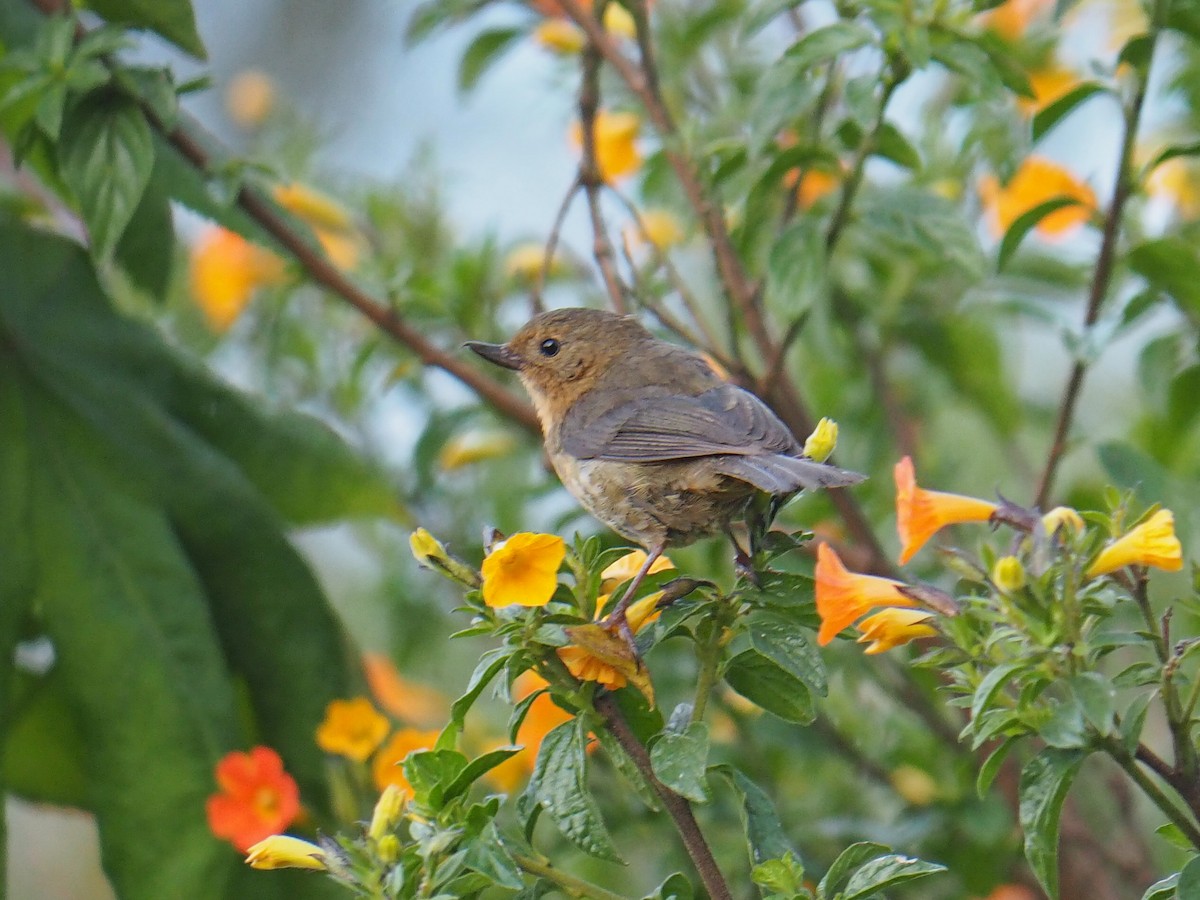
x: 1188, y: 886
x: 765, y: 837
x: 1162, y: 890
x: 676, y: 887
x: 848, y: 860
x: 796, y: 268
x: 1025, y: 223
x: 44, y: 751
x: 679, y: 760
x: 1096, y: 699
x: 1171, y: 264
x: 991, y: 766
x: 776, y: 638
x: 146, y: 250
x: 489, y: 667
x: 886, y: 872
x: 992, y: 683
x: 624, y: 764
x: 487, y: 855
x: 761, y: 681
x: 890, y: 143
x: 105, y: 156
x: 477, y: 768
x: 1172, y: 152
x: 1045, y: 781
x: 1053, y: 113
x: 483, y: 52
x: 828, y: 43
x: 559, y: 784
x: 1137, y: 52
x: 172, y: 19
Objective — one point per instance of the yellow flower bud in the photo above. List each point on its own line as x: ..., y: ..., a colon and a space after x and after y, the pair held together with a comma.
x: 250, y: 98
x: 618, y: 21
x: 387, y: 812
x: 281, y: 851
x: 388, y: 848
x: 559, y: 36
x: 822, y: 441
x: 426, y: 548
x: 915, y: 785
x: 1008, y: 574
x: 1062, y: 517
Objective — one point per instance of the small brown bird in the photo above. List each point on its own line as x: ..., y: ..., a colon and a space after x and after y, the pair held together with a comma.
x: 646, y: 435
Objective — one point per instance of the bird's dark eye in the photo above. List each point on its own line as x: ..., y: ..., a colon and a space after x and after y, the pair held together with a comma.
x: 549, y: 347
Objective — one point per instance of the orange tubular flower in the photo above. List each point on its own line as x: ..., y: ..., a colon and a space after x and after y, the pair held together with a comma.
x: 606, y: 654
x: 226, y: 270
x: 386, y: 768
x: 1037, y: 181
x: 921, y: 513
x: 843, y: 596
x: 893, y: 628
x: 1153, y: 543
x: 352, y: 728
x: 407, y: 700
x: 257, y: 798
x: 523, y: 570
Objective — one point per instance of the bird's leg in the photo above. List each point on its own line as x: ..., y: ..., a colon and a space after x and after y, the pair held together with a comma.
x: 743, y: 562
x: 616, y: 618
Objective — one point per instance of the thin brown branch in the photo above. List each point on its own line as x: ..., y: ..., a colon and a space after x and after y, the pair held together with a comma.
x: 323, y: 272
x: 1101, y: 279
x: 592, y: 178
x: 536, y: 302
x: 677, y: 807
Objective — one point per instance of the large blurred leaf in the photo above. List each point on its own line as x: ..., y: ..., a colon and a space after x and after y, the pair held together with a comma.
x: 1171, y: 264
x: 161, y: 570
x: 1045, y: 781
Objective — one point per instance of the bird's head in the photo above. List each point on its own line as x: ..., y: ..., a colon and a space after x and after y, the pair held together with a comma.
x: 562, y: 354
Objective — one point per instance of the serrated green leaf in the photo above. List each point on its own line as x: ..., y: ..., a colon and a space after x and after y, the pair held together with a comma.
x: 1053, y: 113
x: 105, y: 156
x: 1045, y: 781
x: 765, y: 837
x: 173, y: 19
x: 559, y: 784
x: 483, y: 52
x: 886, y: 872
x: 680, y: 760
x: 827, y: 43
x: 1025, y: 223
x: 761, y: 681
x: 847, y: 861
x: 778, y: 639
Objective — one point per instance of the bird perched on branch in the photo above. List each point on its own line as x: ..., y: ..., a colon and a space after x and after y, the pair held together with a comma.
x: 647, y: 436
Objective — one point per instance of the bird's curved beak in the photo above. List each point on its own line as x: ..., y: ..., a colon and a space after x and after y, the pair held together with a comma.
x: 496, y: 353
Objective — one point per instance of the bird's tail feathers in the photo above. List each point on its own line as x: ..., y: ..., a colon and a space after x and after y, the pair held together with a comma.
x: 779, y: 474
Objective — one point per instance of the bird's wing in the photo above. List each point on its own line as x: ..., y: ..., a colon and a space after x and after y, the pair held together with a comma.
x: 722, y: 420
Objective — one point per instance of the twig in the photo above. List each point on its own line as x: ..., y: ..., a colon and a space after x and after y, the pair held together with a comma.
x: 535, y: 298
x: 564, y: 881
x: 1100, y: 279
x: 592, y: 178
x: 677, y: 807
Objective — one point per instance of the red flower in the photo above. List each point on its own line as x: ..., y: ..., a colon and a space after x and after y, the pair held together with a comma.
x: 257, y: 798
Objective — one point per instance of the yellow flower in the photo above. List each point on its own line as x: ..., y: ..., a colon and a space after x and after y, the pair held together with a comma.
x: 467, y: 449
x: 844, y: 596
x: 1153, y: 543
x: 281, y: 851
x: 386, y: 813
x: 524, y: 263
x: 330, y: 221
x: 352, y: 728
x: 425, y: 547
x: 1035, y: 182
x: 559, y: 36
x: 1062, y: 517
x: 627, y: 566
x: 406, y: 700
x: 386, y: 768
x: 616, y: 143
x: 890, y: 628
x: 915, y: 785
x: 523, y: 570
x: 226, y: 270
x: 659, y: 228
x: 1177, y: 181
x: 921, y: 513
x: 1011, y: 19
x: 388, y: 848
x: 601, y: 656
x: 821, y: 443
x: 618, y: 21
x: 813, y: 185
x: 1008, y: 574
x: 250, y: 98
x: 1049, y: 83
